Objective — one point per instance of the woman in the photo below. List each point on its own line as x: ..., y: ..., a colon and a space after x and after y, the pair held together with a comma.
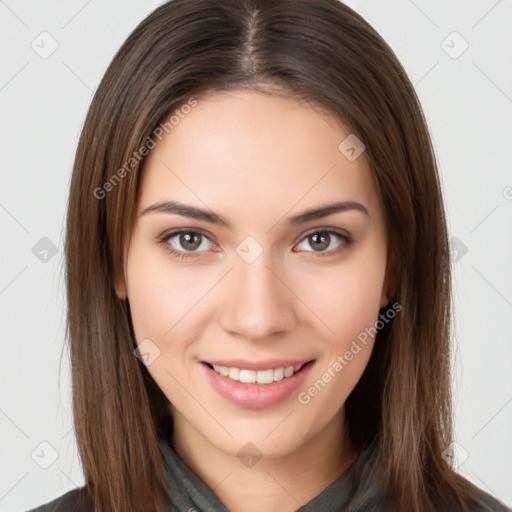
x: 258, y: 272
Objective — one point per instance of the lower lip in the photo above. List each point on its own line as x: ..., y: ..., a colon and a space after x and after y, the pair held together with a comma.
x: 256, y: 396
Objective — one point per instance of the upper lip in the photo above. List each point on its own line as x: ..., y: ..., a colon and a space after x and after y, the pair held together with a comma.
x: 268, y: 364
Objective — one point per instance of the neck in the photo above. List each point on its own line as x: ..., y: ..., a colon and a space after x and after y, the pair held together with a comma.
x: 285, y: 483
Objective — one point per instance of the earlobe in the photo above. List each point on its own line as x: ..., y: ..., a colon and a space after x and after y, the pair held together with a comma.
x: 390, y: 282
x: 384, y: 300
x: 120, y: 286
x: 385, y: 295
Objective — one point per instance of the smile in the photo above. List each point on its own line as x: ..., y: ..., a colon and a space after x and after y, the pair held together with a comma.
x: 256, y: 385
x: 260, y: 376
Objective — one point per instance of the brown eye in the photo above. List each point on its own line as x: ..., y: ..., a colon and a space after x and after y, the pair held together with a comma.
x: 319, y: 241
x: 190, y: 241
x: 326, y: 242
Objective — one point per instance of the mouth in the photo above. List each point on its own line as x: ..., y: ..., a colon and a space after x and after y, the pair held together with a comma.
x: 249, y: 376
x: 256, y: 385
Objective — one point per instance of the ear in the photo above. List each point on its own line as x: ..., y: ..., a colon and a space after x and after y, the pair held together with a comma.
x: 120, y: 286
x: 390, y: 285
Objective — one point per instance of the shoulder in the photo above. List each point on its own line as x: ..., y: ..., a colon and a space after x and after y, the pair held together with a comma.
x: 484, y: 502
x: 477, y: 501
x: 72, y: 501
x: 370, y: 496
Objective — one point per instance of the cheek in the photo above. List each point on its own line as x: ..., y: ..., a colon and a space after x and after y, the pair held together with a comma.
x: 163, y: 295
x: 162, y: 300
x: 149, y: 303
x: 345, y: 298
x: 348, y: 304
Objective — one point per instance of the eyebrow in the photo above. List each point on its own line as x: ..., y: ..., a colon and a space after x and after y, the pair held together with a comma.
x: 174, y: 207
x: 324, y: 211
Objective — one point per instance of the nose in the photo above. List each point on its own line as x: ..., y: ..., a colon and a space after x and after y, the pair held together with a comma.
x: 257, y: 304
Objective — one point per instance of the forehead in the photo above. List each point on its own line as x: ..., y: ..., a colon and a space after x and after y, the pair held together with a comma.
x: 243, y: 152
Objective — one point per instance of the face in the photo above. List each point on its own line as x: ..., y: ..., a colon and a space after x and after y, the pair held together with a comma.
x: 257, y: 259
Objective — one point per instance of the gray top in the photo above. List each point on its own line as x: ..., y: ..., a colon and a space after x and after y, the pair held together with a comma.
x: 185, y: 492
x: 190, y: 493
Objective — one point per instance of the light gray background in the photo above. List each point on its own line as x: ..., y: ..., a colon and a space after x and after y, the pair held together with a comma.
x: 468, y: 103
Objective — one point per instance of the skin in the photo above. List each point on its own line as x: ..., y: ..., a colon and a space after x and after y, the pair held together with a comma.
x: 257, y: 160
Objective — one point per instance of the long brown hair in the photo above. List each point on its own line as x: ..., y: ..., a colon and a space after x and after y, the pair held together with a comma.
x: 322, y: 52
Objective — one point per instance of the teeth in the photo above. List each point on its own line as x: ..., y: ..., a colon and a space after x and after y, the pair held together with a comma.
x: 247, y: 376
x: 261, y: 376
x: 264, y: 376
x: 279, y: 374
x: 234, y: 373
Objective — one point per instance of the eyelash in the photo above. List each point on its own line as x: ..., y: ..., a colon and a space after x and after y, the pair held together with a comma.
x: 347, y: 241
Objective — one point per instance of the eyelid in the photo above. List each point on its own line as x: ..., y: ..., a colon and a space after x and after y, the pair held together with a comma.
x: 163, y: 240
x: 178, y: 231
x: 346, y: 240
x: 166, y: 236
x: 325, y: 229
